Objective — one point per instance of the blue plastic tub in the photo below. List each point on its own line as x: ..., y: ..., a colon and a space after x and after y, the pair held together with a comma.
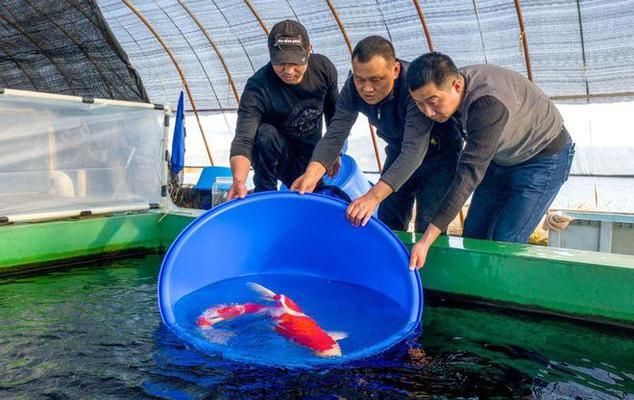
x: 208, y: 176
x: 287, y: 233
x: 350, y: 179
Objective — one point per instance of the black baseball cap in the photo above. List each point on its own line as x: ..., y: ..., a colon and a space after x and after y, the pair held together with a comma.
x: 288, y: 43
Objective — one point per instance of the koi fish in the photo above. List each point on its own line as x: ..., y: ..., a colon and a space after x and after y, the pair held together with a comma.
x: 292, y: 323
x: 223, y: 312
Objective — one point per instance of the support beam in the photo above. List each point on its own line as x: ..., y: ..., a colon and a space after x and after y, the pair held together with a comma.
x: 423, y: 22
x: 178, y: 69
x: 257, y: 17
x: 375, y: 143
x: 232, y: 84
x: 524, y: 40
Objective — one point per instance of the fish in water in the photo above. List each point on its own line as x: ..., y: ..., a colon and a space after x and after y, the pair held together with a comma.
x: 223, y: 312
x: 292, y: 323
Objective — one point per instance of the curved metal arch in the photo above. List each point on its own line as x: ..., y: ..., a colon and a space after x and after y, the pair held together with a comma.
x: 257, y: 17
x: 527, y: 57
x: 423, y: 22
x: 79, y: 46
x: 192, y: 50
x: 340, y: 24
x: 178, y: 69
x: 583, y: 53
x: 26, y: 35
x: 232, y: 84
x: 375, y: 143
x: 213, y: 90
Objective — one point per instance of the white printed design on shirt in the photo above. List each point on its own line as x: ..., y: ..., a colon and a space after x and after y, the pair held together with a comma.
x: 305, y: 118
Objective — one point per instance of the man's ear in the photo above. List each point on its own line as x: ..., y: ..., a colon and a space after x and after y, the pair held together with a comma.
x: 310, y: 48
x: 397, y: 69
x: 458, y: 85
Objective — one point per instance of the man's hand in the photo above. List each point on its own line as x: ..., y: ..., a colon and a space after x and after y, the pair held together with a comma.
x: 334, y: 170
x: 237, y: 189
x: 239, y: 170
x: 421, y: 248
x: 360, y: 210
x: 418, y: 256
x: 307, y: 182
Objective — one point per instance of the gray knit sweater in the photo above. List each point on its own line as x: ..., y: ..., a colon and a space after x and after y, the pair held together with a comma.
x: 505, y: 119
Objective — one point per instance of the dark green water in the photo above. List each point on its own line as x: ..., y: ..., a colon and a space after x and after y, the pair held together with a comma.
x: 95, y: 332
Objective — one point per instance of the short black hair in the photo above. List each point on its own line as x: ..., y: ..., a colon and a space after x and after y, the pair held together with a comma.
x: 431, y: 67
x: 374, y: 46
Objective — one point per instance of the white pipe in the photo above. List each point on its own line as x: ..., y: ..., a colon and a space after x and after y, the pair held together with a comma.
x: 75, y: 99
x: 62, y: 214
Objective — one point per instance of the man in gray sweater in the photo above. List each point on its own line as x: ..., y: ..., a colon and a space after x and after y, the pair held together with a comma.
x: 517, y: 152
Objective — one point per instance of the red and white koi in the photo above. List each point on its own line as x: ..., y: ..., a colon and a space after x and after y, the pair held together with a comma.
x: 292, y: 323
x: 223, y: 312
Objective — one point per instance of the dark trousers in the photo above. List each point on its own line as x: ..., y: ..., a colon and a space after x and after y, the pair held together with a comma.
x: 427, y: 186
x: 511, y: 200
x: 276, y: 157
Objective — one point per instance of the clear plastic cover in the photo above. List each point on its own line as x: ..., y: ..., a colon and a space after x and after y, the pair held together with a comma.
x: 61, y: 157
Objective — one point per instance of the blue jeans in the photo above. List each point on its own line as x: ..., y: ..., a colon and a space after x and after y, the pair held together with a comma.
x: 511, y: 200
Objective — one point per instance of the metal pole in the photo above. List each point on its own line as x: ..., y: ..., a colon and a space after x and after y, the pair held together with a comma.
x: 216, y: 50
x: 178, y: 69
x: 375, y: 144
x: 423, y: 22
x: 583, y: 53
x: 257, y: 16
x: 527, y: 56
x: 237, y: 36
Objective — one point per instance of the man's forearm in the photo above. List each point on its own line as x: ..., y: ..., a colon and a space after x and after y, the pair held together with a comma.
x: 315, y: 169
x: 381, y: 190
x: 430, y: 235
x: 240, y: 166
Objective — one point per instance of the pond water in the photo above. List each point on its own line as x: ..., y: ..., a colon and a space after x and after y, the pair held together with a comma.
x: 95, y: 332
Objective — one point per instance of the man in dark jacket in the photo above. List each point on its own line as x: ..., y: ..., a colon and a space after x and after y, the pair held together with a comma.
x: 280, y: 112
x: 377, y: 89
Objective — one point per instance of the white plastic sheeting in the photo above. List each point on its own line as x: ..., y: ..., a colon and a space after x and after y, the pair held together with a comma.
x: 580, y: 51
x: 577, y: 48
x: 60, y: 157
x: 604, y: 139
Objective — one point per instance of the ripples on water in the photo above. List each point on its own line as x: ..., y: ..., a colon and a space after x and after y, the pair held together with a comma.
x: 96, y: 333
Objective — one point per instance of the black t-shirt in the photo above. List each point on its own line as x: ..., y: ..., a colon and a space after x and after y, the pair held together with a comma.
x: 295, y: 110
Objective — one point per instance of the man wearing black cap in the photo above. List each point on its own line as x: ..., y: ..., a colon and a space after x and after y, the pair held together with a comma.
x: 280, y: 112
